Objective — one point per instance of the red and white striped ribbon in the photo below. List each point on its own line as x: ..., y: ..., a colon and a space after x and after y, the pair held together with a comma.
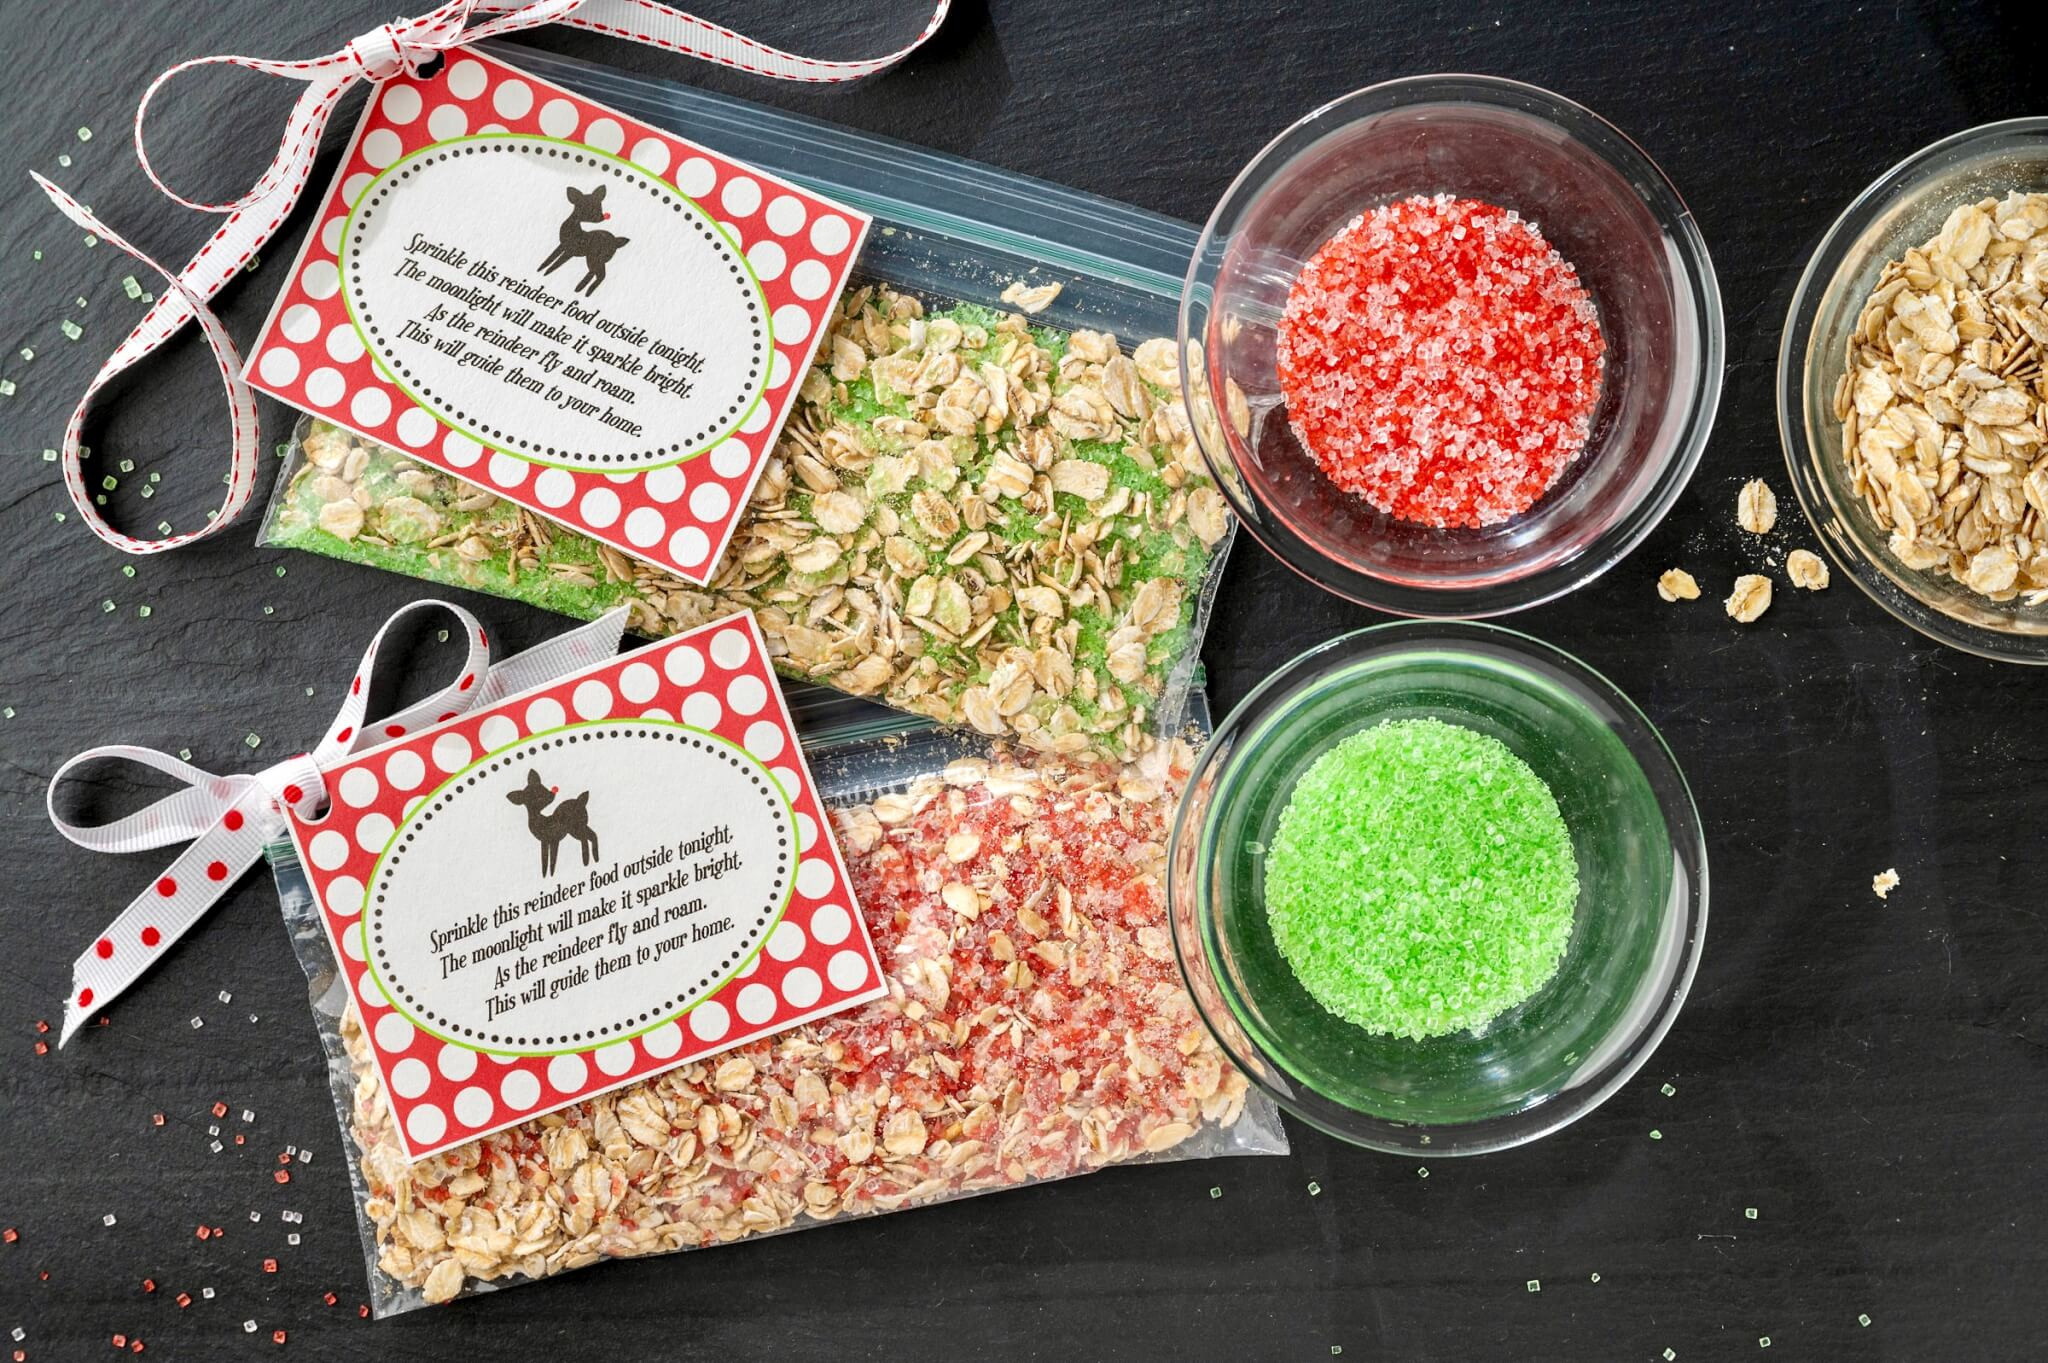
x: 229, y: 819
x: 402, y: 46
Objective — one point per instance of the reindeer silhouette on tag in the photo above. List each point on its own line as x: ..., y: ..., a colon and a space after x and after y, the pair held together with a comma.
x: 593, y: 247
x: 569, y: 819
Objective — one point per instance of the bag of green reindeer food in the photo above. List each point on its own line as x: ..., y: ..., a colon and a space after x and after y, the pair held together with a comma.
x: 986, y: 507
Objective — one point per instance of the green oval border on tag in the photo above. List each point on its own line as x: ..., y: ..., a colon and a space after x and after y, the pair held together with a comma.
x: 690, y: 205
x: 788, y: 894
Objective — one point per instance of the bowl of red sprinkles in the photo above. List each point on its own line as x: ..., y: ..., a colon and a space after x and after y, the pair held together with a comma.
x: 1452, y: 345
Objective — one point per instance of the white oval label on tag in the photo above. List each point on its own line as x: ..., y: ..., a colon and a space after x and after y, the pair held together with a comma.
x: 579, y: 886
x: 556, y: 303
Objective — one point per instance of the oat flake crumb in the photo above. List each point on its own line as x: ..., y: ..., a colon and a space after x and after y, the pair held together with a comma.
x: 1677, y: 585
x: 1884, y: 882
x: 1750, y: 599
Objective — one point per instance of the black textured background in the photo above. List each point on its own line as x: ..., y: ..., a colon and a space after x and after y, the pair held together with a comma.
x: 1872, y: 1076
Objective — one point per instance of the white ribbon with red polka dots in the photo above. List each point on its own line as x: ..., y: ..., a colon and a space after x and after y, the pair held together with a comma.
x: 399, y: 47
x: 229, y: 819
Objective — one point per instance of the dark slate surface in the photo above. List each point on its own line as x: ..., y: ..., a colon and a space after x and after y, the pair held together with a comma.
x: 1872, y: 1076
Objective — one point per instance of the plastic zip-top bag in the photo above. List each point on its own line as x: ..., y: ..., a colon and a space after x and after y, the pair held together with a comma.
x: 987, y: 506
x: 1036, y: 1027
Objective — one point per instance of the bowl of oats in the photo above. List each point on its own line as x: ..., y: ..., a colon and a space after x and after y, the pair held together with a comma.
x: 1452, y: 345
x: 1912, y: 395
x: 1437, y: 887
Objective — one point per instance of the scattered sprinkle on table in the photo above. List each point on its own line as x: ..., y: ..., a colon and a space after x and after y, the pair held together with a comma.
x: 1441, y: 360
x: 1421, y: 880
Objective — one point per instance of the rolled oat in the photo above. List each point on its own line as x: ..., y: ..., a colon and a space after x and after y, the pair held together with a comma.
x: 1677, y: 585
x: 1750, y: 599
x: 1806, y: 569
x: 1756, y: 507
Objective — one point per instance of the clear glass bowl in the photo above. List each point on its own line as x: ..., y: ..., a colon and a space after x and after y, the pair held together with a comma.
x: 1605, y: 207
x: 1902, y: 208
x: 1635, y: 940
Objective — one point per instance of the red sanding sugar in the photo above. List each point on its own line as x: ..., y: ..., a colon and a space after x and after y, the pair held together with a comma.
x: 1441, y: 360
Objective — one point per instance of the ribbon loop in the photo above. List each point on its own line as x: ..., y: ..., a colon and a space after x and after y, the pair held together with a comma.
x: 228, y: 819
x: 400, y: 47
x: 178, y: 817
x: 378, y: 55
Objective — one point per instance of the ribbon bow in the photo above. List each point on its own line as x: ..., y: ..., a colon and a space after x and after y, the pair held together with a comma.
x: 399, y: 47
x: 229, y: 819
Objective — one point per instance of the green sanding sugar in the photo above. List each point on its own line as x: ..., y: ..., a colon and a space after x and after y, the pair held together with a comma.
x: 1421, y: 880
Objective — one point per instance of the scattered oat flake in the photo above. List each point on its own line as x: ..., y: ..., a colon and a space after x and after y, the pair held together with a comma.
x: 1677, y: 584
x: 1884, y: 882
x: 1756, y: 507
x: 1750, y: 599
x: 1806, y: 569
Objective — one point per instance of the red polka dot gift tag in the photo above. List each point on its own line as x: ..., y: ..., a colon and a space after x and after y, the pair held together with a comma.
x: 596, y: 319
x: 591, y: 882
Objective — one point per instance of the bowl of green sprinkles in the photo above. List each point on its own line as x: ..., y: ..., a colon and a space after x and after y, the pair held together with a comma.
x: 1438, y: 887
